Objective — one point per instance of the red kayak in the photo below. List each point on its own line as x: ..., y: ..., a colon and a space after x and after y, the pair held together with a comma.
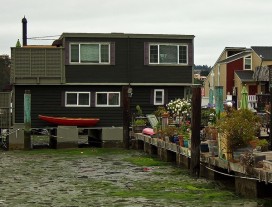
x: 70, y: 121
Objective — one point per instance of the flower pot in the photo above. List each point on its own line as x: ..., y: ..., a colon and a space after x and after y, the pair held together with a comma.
x: 204, y: 147
x: 138, y: 129
x: 181, y: 141
x: 185, y: 143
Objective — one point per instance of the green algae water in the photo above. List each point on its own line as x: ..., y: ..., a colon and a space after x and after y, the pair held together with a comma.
x: 105, y: 177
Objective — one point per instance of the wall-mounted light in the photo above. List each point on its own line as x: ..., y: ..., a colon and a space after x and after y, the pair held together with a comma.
x: 129, y: 92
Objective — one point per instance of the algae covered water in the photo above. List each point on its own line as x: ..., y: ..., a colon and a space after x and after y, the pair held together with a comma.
x: 104, y: 177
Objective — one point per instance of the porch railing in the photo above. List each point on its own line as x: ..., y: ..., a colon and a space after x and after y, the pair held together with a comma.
x: 252, y: 101
x: 37, y: 65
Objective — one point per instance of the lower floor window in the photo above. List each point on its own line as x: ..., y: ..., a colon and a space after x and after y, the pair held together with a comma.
x: 158, y: 96
x: 108, y: 99
x: 77, y: 99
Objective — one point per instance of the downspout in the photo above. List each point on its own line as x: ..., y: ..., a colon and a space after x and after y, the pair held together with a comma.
x: 218, y: 75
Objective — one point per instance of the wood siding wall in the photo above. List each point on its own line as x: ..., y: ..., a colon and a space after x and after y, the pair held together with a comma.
x: 49, y: 100
x: 231, y: 67
x: 129, y: 64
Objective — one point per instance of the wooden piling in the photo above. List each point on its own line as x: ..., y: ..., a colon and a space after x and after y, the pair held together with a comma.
x: 126, y: 115
x: 27, y: 120
x: 195, y: 124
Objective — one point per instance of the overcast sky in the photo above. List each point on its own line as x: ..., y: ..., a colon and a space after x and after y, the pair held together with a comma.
x: 216, y: 24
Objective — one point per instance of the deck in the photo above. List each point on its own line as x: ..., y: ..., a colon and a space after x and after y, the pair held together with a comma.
x: 259, y: 175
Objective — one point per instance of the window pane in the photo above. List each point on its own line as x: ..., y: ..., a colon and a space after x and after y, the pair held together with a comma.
x: 89, y: 53
x: 168, y: 54
x: 71, y: 99
x: 158, y: 98
x: 104, y: 53
x: 248, y: 62
x: 75, y: 53
x: 182, y: 54
x: 83, y: 99
x: 153, y: 53
x: 114, y: 99
x: 101, y: 98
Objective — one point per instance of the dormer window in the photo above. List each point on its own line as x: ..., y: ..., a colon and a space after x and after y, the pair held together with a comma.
x: 247, y: 63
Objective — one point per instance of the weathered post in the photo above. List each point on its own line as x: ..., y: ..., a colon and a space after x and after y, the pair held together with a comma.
x: 195, y: 124
x: 27, y: 120
x: 126, y: 114
x: 270, y: 105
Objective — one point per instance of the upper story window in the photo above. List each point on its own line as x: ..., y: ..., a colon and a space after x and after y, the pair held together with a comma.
x: 90, y: 53
x: 158, y: 96
x: 108, y: 99
x: 247, y: 63
x: 77, y: 99
x: 168, y: 54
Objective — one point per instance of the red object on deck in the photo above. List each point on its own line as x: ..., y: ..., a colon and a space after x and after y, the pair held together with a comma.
x: 70, y: 121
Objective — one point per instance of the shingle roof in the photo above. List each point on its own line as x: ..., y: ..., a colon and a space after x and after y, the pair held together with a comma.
x: 245, y: 75
x: 266, y: 52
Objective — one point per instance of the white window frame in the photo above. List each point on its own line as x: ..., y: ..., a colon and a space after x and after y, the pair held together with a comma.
x: 90, y: 43
x: 107, y: 105
x: 155, y: 96
x: 245, y: 58
x: 167, y: 44
x: 77, y: 105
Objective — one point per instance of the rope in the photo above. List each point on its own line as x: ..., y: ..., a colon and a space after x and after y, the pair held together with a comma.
x: 235, y: 176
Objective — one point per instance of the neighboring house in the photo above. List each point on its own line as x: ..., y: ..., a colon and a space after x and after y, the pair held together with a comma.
x: 239, y: 66
x: 83, y: 74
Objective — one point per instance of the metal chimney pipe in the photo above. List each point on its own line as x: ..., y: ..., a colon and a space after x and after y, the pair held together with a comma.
x: 24, y: 21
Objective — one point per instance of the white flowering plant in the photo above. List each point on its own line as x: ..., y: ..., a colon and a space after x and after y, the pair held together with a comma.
x: 179, y: 107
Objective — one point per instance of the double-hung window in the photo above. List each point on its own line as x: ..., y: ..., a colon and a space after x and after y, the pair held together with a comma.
x: 159, y: 97
x: 168, y: 54
x: 77, y: 99
x: 90, y: 53
x: 248, y: 63
x: 107, y: 99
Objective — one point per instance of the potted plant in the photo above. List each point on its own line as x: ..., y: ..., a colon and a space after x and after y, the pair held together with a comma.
x: 169, y: 133
x: 139, y: 125
x: 160, y: 111
x: 139, y: 121
x: 179, y: 109
x: 262, y: 145
x: 185, y: 131
x: 236, y: 128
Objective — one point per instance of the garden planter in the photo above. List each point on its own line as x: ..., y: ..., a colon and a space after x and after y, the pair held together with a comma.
x: 138, y: 129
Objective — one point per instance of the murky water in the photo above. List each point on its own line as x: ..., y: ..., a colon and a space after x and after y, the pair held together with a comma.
x: 103, y: 180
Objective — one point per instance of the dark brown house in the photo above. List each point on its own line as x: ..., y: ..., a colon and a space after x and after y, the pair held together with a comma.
x: 82, y: 75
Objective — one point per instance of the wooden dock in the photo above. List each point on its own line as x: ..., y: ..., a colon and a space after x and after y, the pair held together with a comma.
x: 249, y: 181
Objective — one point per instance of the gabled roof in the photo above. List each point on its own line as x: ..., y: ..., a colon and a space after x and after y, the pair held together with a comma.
x: 265, y: 52
x: 236, y: 56
x: 245, y: 75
